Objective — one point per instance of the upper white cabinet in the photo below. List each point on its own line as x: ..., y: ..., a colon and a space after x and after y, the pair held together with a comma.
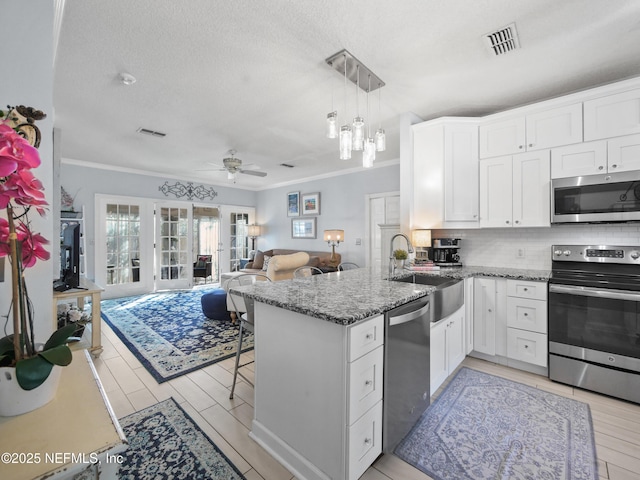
x: 515, y: 190
x: 620, y: 154
x: 535, y: 131
x: 445, y: 174
x: 612, y: 115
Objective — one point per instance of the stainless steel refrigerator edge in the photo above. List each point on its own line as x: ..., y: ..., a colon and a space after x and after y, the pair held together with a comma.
x: 406, y: 369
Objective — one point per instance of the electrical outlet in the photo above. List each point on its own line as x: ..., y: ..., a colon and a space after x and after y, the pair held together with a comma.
x: 520, y: 253
x: 358, y: 241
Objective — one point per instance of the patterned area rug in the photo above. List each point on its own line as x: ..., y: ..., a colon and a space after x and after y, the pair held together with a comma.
x: 169, y: 334
x: 487, y: 427
x: 165, y: 443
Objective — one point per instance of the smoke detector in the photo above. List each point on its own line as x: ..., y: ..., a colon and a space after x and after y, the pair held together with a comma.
x: 503, y: 40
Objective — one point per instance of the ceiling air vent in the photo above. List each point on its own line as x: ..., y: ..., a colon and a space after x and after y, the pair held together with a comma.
x: 502, y: 41
x: 153, y: 133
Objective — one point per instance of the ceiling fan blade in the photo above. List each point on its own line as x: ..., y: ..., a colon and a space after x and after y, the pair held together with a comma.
x: 255, y: 173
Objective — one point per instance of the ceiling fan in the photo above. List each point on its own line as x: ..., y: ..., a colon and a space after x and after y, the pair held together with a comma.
x: 233, y: 165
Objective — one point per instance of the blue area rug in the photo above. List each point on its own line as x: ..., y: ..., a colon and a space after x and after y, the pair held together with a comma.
x: 169, y: 334
x: 165, y: 443
x: 487, y: 427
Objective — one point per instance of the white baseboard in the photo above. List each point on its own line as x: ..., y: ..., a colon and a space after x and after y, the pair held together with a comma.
x: 285, y: 454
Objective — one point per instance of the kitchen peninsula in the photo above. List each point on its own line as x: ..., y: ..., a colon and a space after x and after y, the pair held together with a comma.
x: 319, y: 354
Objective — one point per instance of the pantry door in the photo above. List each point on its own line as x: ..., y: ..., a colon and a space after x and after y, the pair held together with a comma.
x: 174, y: 263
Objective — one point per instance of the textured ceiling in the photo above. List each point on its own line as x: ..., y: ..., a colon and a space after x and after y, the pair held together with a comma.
x: 250, y: 75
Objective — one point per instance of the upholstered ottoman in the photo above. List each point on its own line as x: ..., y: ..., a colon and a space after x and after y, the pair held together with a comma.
x: 214, y: 305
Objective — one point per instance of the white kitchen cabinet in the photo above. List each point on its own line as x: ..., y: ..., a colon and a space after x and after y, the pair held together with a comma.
x: 515, y: 190
x: 496, y: 192
x: 612, y: 115
x: 484, y: 315
x: 337, y: 395
x: 527, y: 321
x: 534, y: 131
x: 447, y: 347
x: 620, y: 154
x: 445, y: 174
x: 588, y: 158
x: 623, y: 153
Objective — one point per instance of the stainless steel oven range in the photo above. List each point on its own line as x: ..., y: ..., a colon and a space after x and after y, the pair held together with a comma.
x: 594, y: 318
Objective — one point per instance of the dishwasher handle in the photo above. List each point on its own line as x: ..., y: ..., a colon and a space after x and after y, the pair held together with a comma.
x: 407, y: 317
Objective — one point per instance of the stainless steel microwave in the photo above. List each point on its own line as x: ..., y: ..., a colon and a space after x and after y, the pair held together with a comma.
x: 608, y: 198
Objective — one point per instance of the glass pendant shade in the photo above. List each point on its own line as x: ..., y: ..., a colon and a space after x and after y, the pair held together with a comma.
x: 346, y: 142
x: 369, y: 153
x: 358, y: 133
x: 381, y: 141
x: 332, y: 127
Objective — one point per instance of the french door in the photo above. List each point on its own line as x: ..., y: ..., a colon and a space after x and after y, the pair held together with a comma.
x: 123, y: 263
x: 174, y: 233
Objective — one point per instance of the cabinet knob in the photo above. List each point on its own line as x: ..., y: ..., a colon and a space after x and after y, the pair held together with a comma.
x: 520, y: 147
x: 531, y: 144
x: 368, y: 383
x: 526, y: 314
x: 526, y: 346
x: 614, y: 166
x: 507, y: 222
x: 525, y: 289
x: 517, y: 222
x: 369, y: 336
x: 367, y: 441
x: 600, y: 167
x: 489, y: 310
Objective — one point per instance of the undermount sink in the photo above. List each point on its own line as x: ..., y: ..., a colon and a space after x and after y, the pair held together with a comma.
x: 446, y: 299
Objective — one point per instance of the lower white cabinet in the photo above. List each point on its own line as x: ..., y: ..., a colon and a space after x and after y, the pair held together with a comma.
x: 321, y: 416
x: 527, y: 321
x: 489, y: 315
x: 447, y: 347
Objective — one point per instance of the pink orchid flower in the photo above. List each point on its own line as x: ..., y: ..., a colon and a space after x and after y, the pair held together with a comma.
x: 15, y: 152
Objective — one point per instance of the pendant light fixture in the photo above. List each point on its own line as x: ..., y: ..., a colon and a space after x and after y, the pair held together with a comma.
x: 381, y: 141
x: 346, y: 139
x: 332, y: 118
x: 369, y: 153
x: 352, y: 137
x: 358, y: 121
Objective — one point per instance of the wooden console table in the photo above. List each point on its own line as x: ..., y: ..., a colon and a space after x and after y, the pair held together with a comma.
x: 87, y: 289
x: 75, y: 432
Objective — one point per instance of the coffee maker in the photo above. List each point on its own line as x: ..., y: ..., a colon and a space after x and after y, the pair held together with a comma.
x: 444, y: 252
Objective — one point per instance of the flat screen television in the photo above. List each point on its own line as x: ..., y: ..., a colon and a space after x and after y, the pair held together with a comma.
x: 70, y: 256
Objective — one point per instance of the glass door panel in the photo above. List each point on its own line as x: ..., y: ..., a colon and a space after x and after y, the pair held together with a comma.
x: 239, y: 239
x: 173, y: 258
x: 123, y: 243
x: 206, y: 244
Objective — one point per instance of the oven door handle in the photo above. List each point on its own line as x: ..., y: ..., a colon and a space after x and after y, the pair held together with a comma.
x: 596, y: 292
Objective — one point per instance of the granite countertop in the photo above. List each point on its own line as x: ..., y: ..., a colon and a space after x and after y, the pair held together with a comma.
x: 340, y: 297
x: 353, y: 295
x: 471, y: 271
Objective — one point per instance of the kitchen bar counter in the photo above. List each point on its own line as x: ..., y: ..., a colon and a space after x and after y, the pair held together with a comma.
x: 353, y: 295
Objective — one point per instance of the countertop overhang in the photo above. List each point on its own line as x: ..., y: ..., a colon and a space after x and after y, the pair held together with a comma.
x: 353, y: 295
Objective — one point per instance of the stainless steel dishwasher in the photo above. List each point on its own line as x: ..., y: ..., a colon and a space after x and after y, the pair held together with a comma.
x: 406, y: 369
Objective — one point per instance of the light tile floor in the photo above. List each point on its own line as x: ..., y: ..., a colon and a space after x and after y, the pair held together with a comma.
x: 204, y: 394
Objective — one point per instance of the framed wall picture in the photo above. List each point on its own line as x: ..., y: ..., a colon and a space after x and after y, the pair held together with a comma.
x: 311, y: 203
x: 293, y: 204
x: 303, y: 228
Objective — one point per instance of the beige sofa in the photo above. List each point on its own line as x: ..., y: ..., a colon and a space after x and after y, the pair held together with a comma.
x: 316, y: 259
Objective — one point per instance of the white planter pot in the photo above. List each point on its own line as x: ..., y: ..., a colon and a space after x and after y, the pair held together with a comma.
x: 399, y: 264
x: 16, y: 401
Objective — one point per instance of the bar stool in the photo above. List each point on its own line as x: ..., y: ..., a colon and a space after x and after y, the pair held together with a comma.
x: 244, y: 310
x: 303, y: 272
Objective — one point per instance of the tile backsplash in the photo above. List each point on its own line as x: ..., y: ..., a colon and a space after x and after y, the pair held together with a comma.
x: 531, y: 247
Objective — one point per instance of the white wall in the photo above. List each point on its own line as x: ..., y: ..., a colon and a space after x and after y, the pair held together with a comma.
x: 26, y: 57
x: 342, y: 206
x: 498, y: 247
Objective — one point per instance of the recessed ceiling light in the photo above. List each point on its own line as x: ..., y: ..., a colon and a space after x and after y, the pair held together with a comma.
x: 127, y: 79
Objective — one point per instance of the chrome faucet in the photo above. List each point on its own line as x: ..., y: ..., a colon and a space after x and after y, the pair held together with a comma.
x: 392, y: 265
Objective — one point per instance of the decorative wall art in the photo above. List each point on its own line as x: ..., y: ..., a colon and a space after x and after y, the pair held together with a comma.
x: 293, y: 204
x: 189, y: 190
x: 303, y: 228
x: 311, y: 204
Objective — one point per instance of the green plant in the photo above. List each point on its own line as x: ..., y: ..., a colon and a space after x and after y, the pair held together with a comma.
x: 19, y: 192
x: 400, y: 254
